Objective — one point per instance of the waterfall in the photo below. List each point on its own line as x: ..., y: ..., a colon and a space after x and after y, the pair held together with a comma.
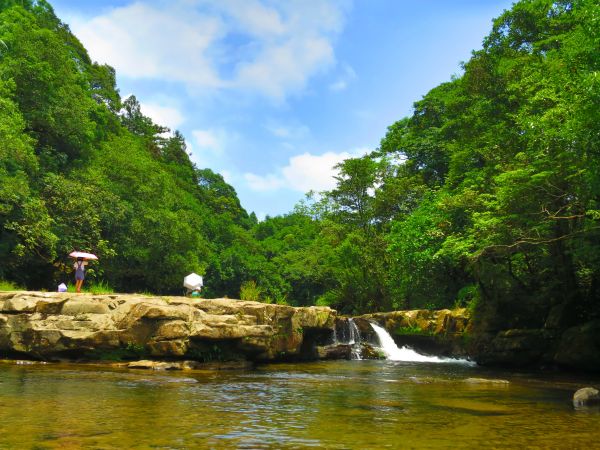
x: 349, y: 335
x: 354, y: 340
x: 394, y: 353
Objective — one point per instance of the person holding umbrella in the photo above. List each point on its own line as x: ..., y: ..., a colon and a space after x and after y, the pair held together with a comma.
x: 79, y: 267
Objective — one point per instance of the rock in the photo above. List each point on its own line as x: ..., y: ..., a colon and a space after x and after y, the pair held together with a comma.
x: 587, y: 396
x: 53, y: 325
x: 155, y: 365
x: 368, y: 351
x: 189, y: 365
x: 334, y: 351
x: 514, y: 347
x: 486, y: 381
x: 579, y: 347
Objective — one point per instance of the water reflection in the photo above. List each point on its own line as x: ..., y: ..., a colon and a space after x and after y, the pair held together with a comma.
x: 346, y: 404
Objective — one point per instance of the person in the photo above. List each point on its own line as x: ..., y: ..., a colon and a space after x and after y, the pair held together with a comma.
x: 79, y: 273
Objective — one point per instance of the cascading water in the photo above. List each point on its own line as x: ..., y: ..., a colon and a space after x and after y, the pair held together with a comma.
x: 354, y: 340
x: 349, y: 335
x: 393, y: 353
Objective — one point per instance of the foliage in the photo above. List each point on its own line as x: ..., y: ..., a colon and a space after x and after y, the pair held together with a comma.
x: 9, y: 286
x: 250, y: 291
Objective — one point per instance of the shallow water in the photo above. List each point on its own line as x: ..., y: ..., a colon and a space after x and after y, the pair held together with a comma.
x: 338, y: 405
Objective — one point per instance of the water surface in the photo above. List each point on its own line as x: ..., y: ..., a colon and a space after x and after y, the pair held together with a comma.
x: 338, y: 405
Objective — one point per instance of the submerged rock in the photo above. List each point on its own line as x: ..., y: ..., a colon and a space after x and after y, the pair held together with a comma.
x: 486, y: 381
x: 189, y: 365
x: 587, y: 396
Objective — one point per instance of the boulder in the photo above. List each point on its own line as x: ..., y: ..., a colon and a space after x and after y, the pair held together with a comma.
x: 587, y: 396
x: 334, y: 351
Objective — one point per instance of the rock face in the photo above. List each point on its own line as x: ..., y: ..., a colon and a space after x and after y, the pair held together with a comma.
x: 572, y: 348
x: 84, y: 326
x: 580, y: 347
x: 438, y: 332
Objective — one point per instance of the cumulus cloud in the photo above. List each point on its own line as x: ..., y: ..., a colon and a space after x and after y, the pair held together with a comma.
x: 304, y: 173
x: 271, y: 48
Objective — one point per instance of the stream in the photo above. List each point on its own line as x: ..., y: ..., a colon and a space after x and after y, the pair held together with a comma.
x: 355, y: 404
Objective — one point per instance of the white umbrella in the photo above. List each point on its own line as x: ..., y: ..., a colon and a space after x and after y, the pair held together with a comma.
x: 193, y: 281
x: 83, y: 255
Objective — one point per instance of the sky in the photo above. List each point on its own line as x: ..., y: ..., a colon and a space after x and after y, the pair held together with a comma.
x: 272, y: 94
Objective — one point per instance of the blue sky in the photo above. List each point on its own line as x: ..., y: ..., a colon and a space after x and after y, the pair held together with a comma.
x: 273, y: 93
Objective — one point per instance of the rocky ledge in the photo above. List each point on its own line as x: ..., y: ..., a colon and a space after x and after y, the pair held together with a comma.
x: 65, y: 326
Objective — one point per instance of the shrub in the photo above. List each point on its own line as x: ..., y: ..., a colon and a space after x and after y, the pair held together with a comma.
x: 249, y: 290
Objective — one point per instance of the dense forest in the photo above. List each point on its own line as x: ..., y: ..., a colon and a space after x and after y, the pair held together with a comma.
x: 488, y: 196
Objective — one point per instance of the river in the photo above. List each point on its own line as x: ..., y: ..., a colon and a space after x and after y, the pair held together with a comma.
x: 337, y: 405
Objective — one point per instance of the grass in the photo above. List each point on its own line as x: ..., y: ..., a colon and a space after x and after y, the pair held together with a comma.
x: 9, y: 286
x: 100, y: 287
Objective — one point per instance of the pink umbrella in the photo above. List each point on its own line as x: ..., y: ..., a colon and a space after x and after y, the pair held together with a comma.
x: 83, y: 255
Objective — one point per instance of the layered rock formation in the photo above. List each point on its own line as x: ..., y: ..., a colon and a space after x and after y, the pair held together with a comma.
x: 86, y: 327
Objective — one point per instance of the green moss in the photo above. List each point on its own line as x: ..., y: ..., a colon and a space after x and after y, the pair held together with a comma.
x: 411, y: 331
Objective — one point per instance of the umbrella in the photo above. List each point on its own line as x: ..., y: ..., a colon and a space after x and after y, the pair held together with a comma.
x: 192, y: 281
x: 83, y: 255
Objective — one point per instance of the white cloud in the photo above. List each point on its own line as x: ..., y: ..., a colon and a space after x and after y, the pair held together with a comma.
x: 309, y: 172
x: 285, y: 67
x: 261, y: 184
x: 304, y: 173
x: 345, y: 78
x: 207, y: 139
x: 272, y: 48
x: 227, y: 176
x: 145, y: 41
x: 254, y: 17
x: 163, y: 115
x: 287, y: 131
x: 210, y: 145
